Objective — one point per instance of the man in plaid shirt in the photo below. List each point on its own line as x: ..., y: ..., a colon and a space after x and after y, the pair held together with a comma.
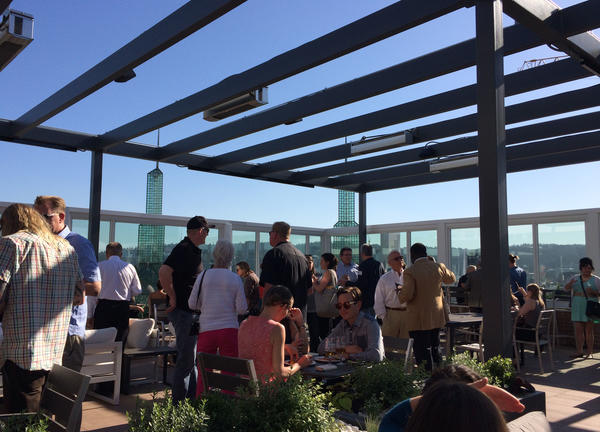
x: 40, y: 280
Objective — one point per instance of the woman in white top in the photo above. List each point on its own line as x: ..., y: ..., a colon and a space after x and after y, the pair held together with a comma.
x: 219, y: 294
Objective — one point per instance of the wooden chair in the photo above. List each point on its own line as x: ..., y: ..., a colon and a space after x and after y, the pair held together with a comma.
x: 476, y: 346
x: 399, y: 349
x: 225, y: 373
x: 102, y: 362
x: 542, y: 336
x: 61, y: 399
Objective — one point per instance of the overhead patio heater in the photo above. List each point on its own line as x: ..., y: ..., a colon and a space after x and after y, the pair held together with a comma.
x: 453, y: 162
x: 237, y: 105
x: 16, y: 32
x: 379, y: 143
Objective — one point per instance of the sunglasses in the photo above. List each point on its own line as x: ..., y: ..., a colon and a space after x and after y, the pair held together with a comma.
x: 49, y: 215
x: 398, y: 258
x: 345, y: 305
x: 287, y: 306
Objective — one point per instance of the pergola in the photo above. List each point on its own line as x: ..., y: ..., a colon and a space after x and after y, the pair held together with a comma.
x: 567, y: 140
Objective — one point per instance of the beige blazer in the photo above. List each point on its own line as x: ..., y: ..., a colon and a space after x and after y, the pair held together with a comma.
x: 422, y: 292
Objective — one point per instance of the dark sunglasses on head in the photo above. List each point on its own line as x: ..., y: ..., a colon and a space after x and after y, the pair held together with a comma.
x: 345, y: 305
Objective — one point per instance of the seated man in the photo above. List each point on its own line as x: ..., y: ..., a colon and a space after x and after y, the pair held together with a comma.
x: 361, y: 333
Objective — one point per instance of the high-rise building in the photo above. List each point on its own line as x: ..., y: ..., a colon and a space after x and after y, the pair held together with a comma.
x: 346, y: 218
x: 151, y: 238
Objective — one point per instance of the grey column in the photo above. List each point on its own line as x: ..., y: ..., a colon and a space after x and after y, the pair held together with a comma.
x: 492, y: 177
x: 95, y: 200
x: 362, y: 218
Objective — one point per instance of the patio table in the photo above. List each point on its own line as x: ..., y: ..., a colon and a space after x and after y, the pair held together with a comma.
x: 466, y: 319
x: 330, y: 376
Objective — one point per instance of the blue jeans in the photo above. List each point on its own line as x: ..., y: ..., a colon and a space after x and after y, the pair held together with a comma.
x: 184, y: 381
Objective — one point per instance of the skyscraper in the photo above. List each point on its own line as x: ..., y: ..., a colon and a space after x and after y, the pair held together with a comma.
x: 151, y: 238
x: 346, y: 215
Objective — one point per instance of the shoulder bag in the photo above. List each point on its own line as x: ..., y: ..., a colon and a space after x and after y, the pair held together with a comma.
x: 326, y: 300
x: 592, y: 308
x: 195, y: 328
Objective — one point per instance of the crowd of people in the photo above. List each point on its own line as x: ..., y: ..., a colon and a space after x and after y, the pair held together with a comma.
x: 51, y: 285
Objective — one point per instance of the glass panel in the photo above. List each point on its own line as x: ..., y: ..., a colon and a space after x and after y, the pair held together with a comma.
x: 390, y: 242
x: 244, y: 244
x: 428, y: 238
x: 127, y: 235
x: 465, y: 249
x: 561, y: 245
x: 263, y: 247
x: 208, y: 246
x: 520, y: 242
x: 375, y: 241
x: 314, y: 246
x: 80, y: 226
x: 299, y: 240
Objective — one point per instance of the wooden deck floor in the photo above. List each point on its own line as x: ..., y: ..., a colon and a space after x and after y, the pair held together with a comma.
x: 572, y: 396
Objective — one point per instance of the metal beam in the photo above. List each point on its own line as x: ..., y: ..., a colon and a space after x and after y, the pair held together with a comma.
x: 382, y: 24
x: 552, y: 105
x: 362, y: 218
x: 180, y: 24
x: 545, y: 154
x: 431, y: 65
x: 95, y: 201
x: 540, y: 16
x: 4, y: 4
x: 530, y: 152
x: 537, y: 131
x: 492, y: 177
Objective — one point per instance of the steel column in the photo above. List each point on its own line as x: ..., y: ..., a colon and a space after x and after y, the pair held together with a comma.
x: 95, y: 199
x: 492, y: 177
x: 362, y: 218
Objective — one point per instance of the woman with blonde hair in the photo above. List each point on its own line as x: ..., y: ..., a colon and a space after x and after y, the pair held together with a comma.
x: 39, y: 277
x: 528, y: 314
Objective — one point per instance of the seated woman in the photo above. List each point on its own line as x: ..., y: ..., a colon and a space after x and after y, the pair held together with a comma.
x: 262, y: 338
x: 528, y: 315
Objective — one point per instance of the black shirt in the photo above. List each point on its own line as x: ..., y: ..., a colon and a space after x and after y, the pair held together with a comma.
x: 286, y: 265
x: 369, y: 272
x: 186, y: 261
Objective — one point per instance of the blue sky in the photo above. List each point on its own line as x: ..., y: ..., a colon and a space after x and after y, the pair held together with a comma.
x: 72, y: 36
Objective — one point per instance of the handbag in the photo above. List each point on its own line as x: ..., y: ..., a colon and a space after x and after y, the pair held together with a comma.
x: 592, y: 308
x: 326, y: 300
x: 195, y: 328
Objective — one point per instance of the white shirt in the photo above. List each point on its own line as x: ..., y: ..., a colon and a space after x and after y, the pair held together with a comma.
x: 385, y: 293
x: 221, y: 299
x: 120, y: 281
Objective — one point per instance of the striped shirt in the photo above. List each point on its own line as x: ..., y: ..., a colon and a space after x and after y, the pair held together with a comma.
x: 41, y: 282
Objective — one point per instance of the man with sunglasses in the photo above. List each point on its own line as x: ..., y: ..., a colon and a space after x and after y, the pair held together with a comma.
x: 177, y: 276
x: 359, y: 332
x: 54, y: 209
x: 387, y: 306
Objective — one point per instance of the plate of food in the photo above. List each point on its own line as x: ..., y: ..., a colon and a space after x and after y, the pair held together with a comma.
x: 324, y: 359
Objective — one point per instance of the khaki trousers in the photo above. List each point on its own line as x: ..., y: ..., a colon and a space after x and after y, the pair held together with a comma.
x: 394, y: 324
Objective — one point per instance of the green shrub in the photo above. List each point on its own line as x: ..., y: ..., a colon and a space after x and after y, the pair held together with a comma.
x: 26, y: 423
x: 164, y: 416
x: 376, y: 388
x: 292, y: 406
x: 498, y: 370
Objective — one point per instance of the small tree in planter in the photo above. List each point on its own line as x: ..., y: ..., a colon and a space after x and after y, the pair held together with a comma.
x: 164, y: 416
x: 26, y: 423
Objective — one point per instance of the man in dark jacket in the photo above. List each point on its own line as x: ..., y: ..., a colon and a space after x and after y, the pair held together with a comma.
x: 369, y: 272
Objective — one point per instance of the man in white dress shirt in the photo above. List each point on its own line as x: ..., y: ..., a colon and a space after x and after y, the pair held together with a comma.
x: 387, y: 306
x: 120, y: 282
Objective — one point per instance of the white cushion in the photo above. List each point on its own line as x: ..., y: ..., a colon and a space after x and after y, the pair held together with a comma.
x: 139, y: 332
x: 99, y: 336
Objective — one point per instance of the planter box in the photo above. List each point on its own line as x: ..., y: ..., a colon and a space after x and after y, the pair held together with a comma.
x: 535, y: 401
